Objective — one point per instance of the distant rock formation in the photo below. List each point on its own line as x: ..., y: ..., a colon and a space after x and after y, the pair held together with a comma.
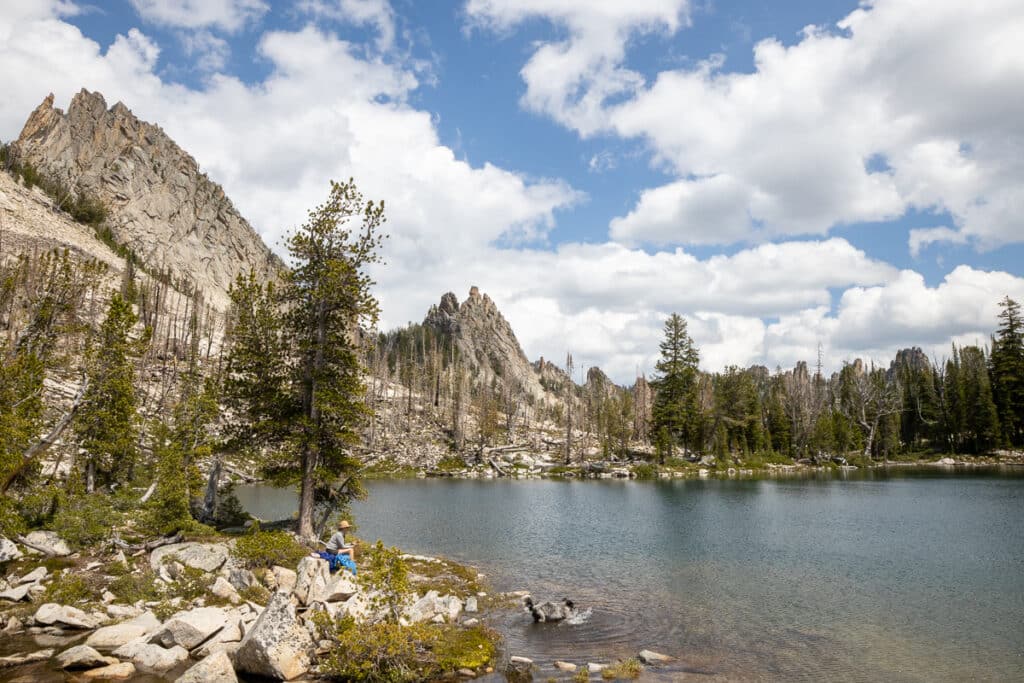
x: 485, y: 340
x: 161, y: 206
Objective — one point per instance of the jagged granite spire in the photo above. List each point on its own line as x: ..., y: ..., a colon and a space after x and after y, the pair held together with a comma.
x: 161, y: 207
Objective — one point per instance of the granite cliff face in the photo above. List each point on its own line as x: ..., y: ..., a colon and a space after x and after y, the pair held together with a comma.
x: 160, y: 205
x: 485, y: 340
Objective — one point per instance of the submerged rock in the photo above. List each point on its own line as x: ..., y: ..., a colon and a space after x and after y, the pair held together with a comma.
x: 652, y: 657
x: 112, y: 672
x: 27, y: 658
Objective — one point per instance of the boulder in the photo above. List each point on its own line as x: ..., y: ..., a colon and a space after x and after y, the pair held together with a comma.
x: 240, y: 579
x: 945, y: 461
x: 37, y: 574
x: 284, y: 579
x: 594, y: 668
x: 52, y: 613
x: 15, y: 594
x: 112, y: 672
x: 151, y: 656
x: 232, y: 633
x: 8, y: 551
x: 313, y: 575
x: 48, y: 543
x: 276, y: 646
x: 109, y: 637
x: 216, y: 668
x: 340, y: 588
x: 449, y: 606
x: 123, y: 611
x: 224, y: 590
x: 205, y: 556
x: 14, y: 625
x: 423, y: 609
x: 565, y: 666
x: 192, y: 628
x: 358, y: 607
x: 83, y: 657
x: 471, y: 605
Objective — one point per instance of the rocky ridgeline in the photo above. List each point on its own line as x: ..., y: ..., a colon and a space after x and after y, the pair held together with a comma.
x: 160, y: 205
x: 485, y: 340
x: 276, y: 640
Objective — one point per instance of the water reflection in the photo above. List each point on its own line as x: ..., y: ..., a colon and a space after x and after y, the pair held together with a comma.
x: 904, y: 575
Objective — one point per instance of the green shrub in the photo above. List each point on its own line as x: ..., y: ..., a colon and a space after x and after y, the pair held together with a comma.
x: 191, y: 583
x: 256, y: 593
x: 464, y: 648
x: 451, y: 463
x: 582, y: 675
x: 267, y: 548
x: 11, y: 521
x: 626, y: 668
x: 645, y: 471
x: 130, y: 588
x: 391, y: 653
x: 68, y: 589
x: 85, y: 519
x: 386, y: 575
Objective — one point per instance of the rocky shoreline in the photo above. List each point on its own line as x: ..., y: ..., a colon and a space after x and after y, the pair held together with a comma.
x: 521, y: 464
x: 200, y: 613
x: 215, y: 618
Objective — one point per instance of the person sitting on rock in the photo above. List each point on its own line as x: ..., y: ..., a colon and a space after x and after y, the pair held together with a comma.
x: 338, y: 552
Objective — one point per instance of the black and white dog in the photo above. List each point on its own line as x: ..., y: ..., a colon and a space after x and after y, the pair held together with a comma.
x: 550, y: 611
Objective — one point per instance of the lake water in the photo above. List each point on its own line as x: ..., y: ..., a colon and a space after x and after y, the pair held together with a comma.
x: 905, y: 575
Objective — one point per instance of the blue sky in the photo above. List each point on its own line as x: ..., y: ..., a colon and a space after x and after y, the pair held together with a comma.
x: 820, y: 172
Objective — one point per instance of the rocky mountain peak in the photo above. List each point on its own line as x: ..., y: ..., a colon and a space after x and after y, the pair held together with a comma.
x: 484, y: 339
x: 160, y: 205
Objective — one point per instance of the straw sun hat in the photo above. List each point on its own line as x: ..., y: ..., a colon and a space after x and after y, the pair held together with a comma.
x: 343, y: 524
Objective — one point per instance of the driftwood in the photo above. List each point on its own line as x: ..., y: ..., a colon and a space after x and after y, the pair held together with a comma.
x: 149, y: 492
x: 22, y: 540
x: 148, y: 545
x: 497, y: 468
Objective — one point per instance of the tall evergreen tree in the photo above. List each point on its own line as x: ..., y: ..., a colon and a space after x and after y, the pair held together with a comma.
x: 1007, y: 366
x: 675, y: 400
x: 106, y: 421
x: 981, y: 423
x: 305, y: 395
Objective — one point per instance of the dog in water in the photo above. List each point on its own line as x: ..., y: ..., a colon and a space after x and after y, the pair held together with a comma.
x: 550, y: 611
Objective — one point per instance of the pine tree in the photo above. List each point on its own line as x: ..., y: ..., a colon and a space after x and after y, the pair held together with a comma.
x: 305, y: 395
x: 105, y: 423
x: 981, y: 424
x: 675, y: 400
x: 168, y: 511
x: 1007, y: 369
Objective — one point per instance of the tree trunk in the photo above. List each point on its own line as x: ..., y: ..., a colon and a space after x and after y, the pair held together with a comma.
x: 210, y: 497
